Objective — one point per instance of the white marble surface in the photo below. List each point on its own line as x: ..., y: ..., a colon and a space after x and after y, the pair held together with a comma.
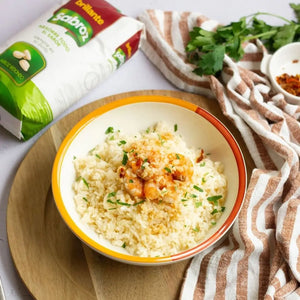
x: 137, y: 74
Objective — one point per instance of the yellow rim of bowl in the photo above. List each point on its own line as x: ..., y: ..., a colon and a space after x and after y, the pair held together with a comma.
x: 126, y: 101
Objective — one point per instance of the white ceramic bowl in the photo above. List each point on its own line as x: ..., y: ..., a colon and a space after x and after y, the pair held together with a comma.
x: 198, y: 128
x: 285, y: 60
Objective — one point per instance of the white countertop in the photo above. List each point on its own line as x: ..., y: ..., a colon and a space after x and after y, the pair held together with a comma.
x: 137, y: 74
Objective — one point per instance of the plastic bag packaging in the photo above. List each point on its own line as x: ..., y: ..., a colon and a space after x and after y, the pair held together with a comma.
x: 59, y: 58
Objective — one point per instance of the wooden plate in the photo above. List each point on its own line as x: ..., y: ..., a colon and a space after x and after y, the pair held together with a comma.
x: 51, y: 261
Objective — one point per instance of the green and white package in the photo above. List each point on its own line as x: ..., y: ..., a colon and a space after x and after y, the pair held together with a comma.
x: 60, y: 57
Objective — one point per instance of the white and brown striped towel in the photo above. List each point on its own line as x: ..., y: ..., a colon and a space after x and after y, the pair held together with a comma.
x: 260, y: 257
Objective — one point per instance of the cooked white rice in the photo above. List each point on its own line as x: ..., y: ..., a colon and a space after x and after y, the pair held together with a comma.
x: 142, y: 226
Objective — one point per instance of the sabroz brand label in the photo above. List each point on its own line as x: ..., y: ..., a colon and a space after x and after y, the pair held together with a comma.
x: 84, y: 20
x: 51, y: 64
x: 78, y: 28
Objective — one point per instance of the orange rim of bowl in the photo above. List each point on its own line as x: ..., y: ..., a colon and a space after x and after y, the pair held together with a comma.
x: 139, y: 99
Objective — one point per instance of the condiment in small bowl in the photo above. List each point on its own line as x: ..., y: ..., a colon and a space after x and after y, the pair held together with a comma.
x: 285, y: 60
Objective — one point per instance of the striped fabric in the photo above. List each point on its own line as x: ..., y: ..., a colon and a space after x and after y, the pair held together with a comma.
x: 260, y: 257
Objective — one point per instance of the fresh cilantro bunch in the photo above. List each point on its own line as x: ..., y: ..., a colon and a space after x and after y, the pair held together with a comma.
x: 206, y: 49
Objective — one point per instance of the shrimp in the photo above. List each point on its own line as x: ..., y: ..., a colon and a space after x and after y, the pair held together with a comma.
x: 182, y: 167
x: 151, y: 190
x: 162, y: 189
x: 133, y: 184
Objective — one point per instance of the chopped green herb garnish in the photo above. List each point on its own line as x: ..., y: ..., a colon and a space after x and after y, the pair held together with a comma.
x: 112, y: 138
x: 122, y: 143
x: 92, y: 150
x: 110, y: 201
x: 112, y: 194
x: 130, y: 181
x: 148, y: 130
x: 85, y: 182
x: 215, y: 211
x: 78, y: 178
x: 197, y: 188
x: 198, y: 204
x: 203, y: 180
x: 125, y: 158
x: 168, y: 169
x: 185, y: 194
x: 175, y: 127
x: 74, y: 157
x: 86, y: 200
x: 141, y: 202
x: 123, y: 203
x: 202, y: 164
x: 124, y: 245
x: 183, y: 200
x: 162, y: 141
x: 222, y: 209
x: 113, y: 208
x: 177, y: 156
x: 196, y: 229
x: 98, y: 156
x: 144, y: 163
x: 193, y: 196
x: 214, y: 198
x: 213, y: 223
x: 109, y: 130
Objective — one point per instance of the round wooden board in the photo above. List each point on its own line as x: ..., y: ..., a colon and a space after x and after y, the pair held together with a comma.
x: 51, y: 261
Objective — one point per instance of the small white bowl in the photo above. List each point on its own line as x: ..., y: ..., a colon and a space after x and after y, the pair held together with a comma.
x: 285, y: 60
x: 198, y: 128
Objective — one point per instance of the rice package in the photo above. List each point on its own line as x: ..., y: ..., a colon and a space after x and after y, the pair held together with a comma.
x: 60, y: 57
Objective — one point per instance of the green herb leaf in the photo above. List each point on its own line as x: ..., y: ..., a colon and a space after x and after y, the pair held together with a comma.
x: 125, y: 158
x: 215, y: 211
x: 124, y: 245
x: 175, y: 127
x: 162, y: 141
x: 196, y: 229
x: 137, y: 203
x: 123, y: 203
x: 122, y: 143
x: 214, y: 199
x: 198, y: 204
x: 197, y: 188
x: 112, y: 194
x: 109, y: 130
x: 296, y: 8
x: 177, y: 156
x: 206, y: 50
x: 85, y: 199
x: 98, y: 156
x: 168, y: 170
x: 85, y: 182
x: 110, y: 201
x: 184, y: 200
